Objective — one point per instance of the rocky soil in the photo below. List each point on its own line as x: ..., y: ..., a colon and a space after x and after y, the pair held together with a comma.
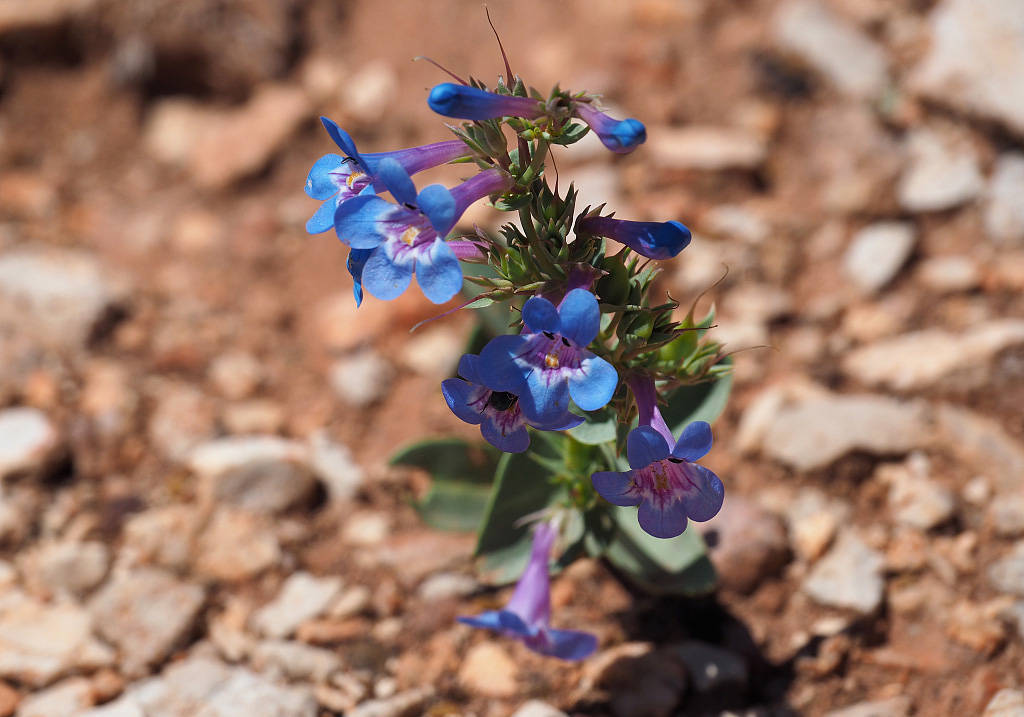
x: 196, y: 513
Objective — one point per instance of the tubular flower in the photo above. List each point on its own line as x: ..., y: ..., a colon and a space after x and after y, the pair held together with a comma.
x: 336, y: 179
x: 464, y: 102
x: 527, y: 616
x: 501, y: 421
x: 655, y: 240
x: 664, y: 480
x: 408, y: 237
x: 620, y: 136
x: 549, y: 362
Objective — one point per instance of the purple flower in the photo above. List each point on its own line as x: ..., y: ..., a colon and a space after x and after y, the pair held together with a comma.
x: 620, y: 136
x: 466, y: 102
x: 336, y: 179
x: 549, y: 362
x: 664, y: 481
x: 656, y: 240
x: 408, y: 237
x: 527, y: 616
x: 501, y: 421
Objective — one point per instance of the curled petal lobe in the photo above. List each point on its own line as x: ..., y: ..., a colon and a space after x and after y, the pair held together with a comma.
x: 616, y: 488
x: 319, y: 184
x: 490, y: 620
x: 705, y: 499
x: 397, y: 181
x: 341, y: 139
x: 438, y: 273
x: 539, y: 314
x: 645, y: 446
x: 458, y: 394
x: 570, y: 645
x: 593, y: 386
x: 515, y: 441
x: 662, y: 520
x: 694, y: 442
x: 469, y: 368
x: 580, y: 316
x: 355, y: 264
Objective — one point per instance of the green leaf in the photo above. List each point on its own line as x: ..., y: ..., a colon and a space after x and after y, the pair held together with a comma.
x: 597, y: 429
x: 454, y: 505
x: 521, y: 487
x: 677, y: 566
x: 699, y: 402
x: 450, y: 459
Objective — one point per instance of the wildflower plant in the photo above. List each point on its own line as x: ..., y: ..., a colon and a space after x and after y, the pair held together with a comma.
x: 584, y: 371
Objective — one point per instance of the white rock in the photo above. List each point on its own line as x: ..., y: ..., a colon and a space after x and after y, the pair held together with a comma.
x: 705, y: 148
x: 950, y: 273
x: 890, y: 707
x: 434, y: 352
x: 69, y: 697
x: 732, y: 221
x: 816, y: 432
x: 302, y: 597
x: 67, y: 567
x: 236, y: 374
x: 296, y: 661
x: 404, y: 703
x: 914, y: 498
x: 920, y: 359
x: 1006, y: 702
x: 182, y: 419
x: 146, y: 613
x: 877, y: 253
x: 28, y: 442
x: 1004, y: 210
x: 370, y: 91
x: 334, y: 464
x: 260, y: 473
x: 851, y: 60
x: 536, y: 708
x: 236, y: 545
x: 1006, y: 514
x: 163, y: 536
x: 848, y: 576
x: 205, y: 687
x: 943, y: 173
x: 975, y: 58
x: 366, y: 528
x: 813, y: 520
x: 40, y: 642
x: 361, y: 378
x: 1007, y: 573
x: 443, y: 586
x: 58, y: 296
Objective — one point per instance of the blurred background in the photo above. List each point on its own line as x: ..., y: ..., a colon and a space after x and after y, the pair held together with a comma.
x: 196, y: 512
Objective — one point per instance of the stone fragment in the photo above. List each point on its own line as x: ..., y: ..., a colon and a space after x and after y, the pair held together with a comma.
x: 108, y: 398
x: 236, y: 545
x: 361, y: 378
x: 370, y: 90
x: 982, y: 442
x: 404, y: 704
x: 877, y: 253
x: 264, y: 474
x: 334, y: 464
x: 182, y: 419
x: 1007, y: 574
x: 205, y: 687
x: 639, y: 681
x: 1006, y: 702
x: 950, y: 273
x: 445, y: 586
x: 9, y: 699
x: 163, y: 536
x: 146, y: 613
x: 814, y: 433
x: 434, y: 352
x: 296, y: 661
x: 705, y: 148
x: 974, y: 59
x: 712, y: 669
x: 536, y: 708
x: 489, y: 671
x: 236, y: 375
x: 60, y: 297
x: 943, y: 173
x: 29, y: 443
x: 914, y: 498
x: 67, y: 567
x: 733, y: 221
x: 848, y: 576
x: 890, y: 707
x: 69, y: 697
x: 302, y: 597
x: 367, y: 527
x: 747, y: 544
x: 1004, y: 211
x: 40, y: 642
x: 978, y: 626
x: 837, y: 49
x: 813, y: 521
x: 21, y: 15
x: 1006, y: 514
x: 254, y: 417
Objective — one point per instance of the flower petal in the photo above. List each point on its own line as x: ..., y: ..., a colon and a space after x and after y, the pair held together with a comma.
x: 705, y: 499
x: 490, y: 620
x: 615, y: 487
x: 355, y: 264
x: 664, y: 521
x: 545, y: 398
x: 323, y: 219
x: 592, y: 387
x: 645, y: 446
x: 515, y: 442
x: 469, y: 368
x: 356, y: 220
x: 539, y: 314
x: 439, y: 273
x: 559, y: 423
x: 385, y: 279
x: 319, y: 184
x: 580, y: 316
x: 570, y: 644
x: 397, y: 181
x: 498, y: 368
x: 438, y: 204
x: 341, y: 139
x: 514, y: 624
x: 694, y: 442
x: 457, y: 394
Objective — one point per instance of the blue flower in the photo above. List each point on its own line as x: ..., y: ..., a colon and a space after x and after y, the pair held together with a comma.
x: 656, y: 240
x: 527, y: 616
x: 501, y: 421
x: 466, y: 102
x: 549, y: 362
x: 408, y: 237
x: 665, y: 481
x: 336, y: 179
x: 620, y: 136
x: 356, y: 261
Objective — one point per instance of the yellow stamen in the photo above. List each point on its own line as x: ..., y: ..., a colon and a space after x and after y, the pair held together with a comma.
x: 352, y: 178
x: 409, y: 235
x: 551, y: 360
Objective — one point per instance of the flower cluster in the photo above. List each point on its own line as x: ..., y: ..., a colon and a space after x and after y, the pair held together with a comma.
x: 587, y: 338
